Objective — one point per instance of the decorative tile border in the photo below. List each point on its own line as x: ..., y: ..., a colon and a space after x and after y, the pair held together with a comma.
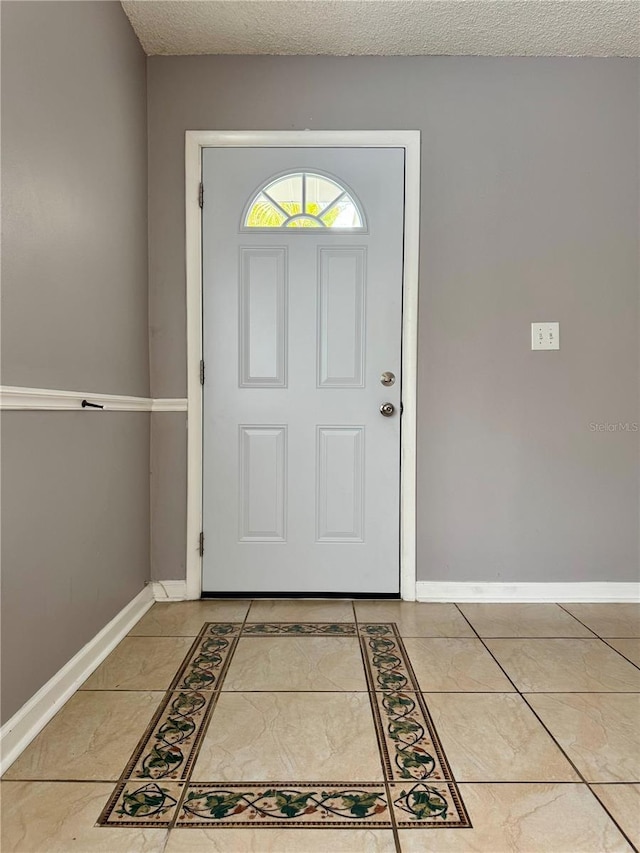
x: 409, y: 749
x: 409, y: 743
x: 146, y: 804
x: 418, y: 792
x: 388, y: 667
x: 295, y: 629
x: 205, y: 667
x: 169, y: 750
x: 285, y: 804
x: 422, y: 806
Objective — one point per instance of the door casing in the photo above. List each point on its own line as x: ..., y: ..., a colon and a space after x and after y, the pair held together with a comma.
x: 195, y: 141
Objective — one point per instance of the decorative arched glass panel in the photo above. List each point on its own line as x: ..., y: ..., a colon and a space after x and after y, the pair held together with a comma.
x: 304, y: 200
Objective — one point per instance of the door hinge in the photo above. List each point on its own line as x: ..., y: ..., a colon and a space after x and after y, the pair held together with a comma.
x: 202, y: 371
x: 201, y: 544
x: 201, y: 195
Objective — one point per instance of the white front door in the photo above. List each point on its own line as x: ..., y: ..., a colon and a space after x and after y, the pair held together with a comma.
x: 302, y: 316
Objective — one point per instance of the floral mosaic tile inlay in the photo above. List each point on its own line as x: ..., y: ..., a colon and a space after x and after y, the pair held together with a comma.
x: 285, y: 802
x: 418, y: 790
x: 280, y: 629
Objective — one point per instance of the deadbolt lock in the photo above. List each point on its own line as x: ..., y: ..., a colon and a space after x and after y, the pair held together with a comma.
x: 387, y: 378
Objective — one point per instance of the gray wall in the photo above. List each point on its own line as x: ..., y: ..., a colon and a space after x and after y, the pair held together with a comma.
x: 75, y: 486
x: 74, y: 189
x: 529, y: 212
x: 75, y: 515
x: 168, y: 495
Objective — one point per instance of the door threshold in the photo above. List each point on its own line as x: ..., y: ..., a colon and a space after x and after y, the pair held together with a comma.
x: 289, y: 595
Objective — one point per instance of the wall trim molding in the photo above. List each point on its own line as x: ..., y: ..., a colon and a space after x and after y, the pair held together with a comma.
x: 18, y: 732
x: 195, y: 142
x: 169, y: 404
x: 575, y: 591
x: 169, y: 590
x: 19, y: 398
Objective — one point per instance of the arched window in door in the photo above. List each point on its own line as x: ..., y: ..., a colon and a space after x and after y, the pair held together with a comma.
x: 304, y: 200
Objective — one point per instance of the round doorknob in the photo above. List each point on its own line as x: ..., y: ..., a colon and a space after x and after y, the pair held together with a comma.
x: 387, y: 409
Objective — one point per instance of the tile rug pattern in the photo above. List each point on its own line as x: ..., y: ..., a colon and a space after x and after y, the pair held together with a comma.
x: 418, y: 790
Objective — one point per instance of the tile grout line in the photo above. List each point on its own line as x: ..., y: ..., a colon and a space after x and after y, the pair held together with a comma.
x: 165, y: 843
x: 478, y: 637
x: 435, y: 737
x: 386, y: 770
x: 252, y: 601
x: 603, y: 639
x: 544, y: 726
x: 580, y: 774
x: 467, y: 782
x: 409, y: 636
x: 246, y: 616
x: 592, y: 792
x: 617, y: 651
x: 334, y: 690
x: 584, y: 625
x: 111, y: 782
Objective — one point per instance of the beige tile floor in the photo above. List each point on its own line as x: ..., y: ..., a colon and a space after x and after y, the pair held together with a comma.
x: 290, y: 736
x: 537, y: 708
x: 289, y: 663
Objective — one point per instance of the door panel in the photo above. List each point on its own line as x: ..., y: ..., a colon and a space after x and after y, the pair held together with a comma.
x: 341, y: 317
x: 262, y: 477
x: 301, y: 316
x: 263, y: 318
x: 339, y: 504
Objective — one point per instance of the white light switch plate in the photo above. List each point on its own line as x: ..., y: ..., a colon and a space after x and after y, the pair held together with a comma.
x: 545, y: 336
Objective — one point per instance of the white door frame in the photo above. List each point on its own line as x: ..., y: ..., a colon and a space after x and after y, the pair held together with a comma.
x: 195, y: 141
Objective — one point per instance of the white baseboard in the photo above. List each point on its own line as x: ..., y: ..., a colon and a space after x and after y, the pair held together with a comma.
x: 18, y: 732
x: 565, y: 591
x: 169, y: 590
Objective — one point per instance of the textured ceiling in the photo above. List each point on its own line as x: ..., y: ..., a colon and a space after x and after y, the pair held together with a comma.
x: 388, y: 27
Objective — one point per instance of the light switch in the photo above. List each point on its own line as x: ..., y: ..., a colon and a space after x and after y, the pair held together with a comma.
x: 545, y: 336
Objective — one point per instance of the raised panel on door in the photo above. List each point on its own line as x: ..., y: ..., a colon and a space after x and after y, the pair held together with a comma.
x: 340, y: 476
x: 263, y: 317
x: 341, y: 317
x: 262, y: 478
